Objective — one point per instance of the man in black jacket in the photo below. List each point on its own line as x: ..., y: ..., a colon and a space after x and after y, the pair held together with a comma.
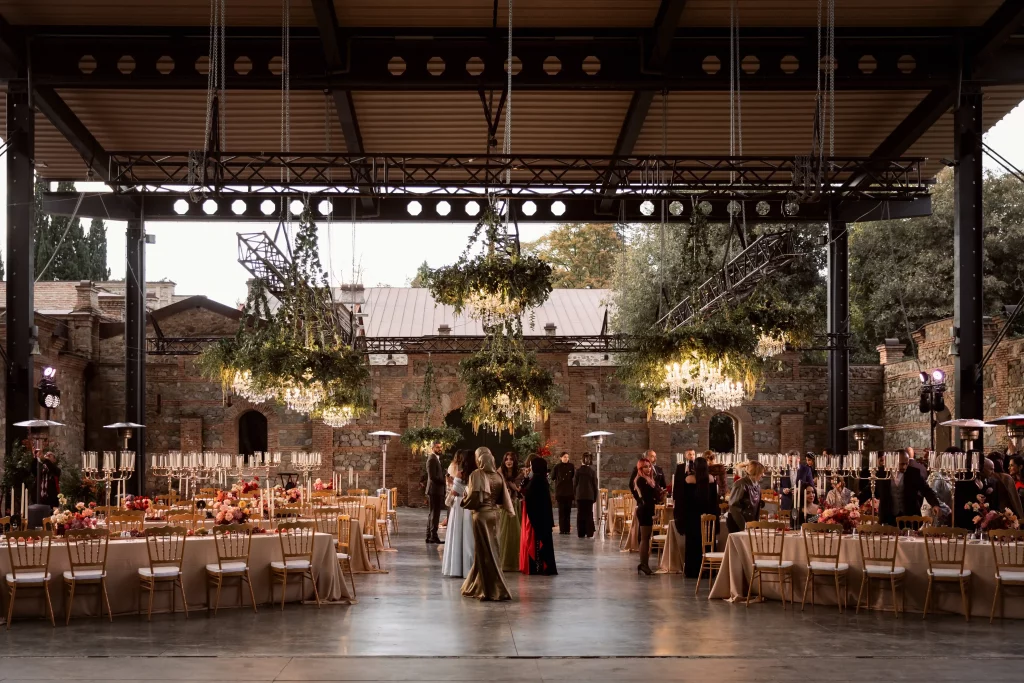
x: 904, y: 493
x: 435, y: 492
x: 562, y: 475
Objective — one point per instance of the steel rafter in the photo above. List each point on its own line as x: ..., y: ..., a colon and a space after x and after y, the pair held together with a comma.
x: 552, y: 59
x: 765, y: 256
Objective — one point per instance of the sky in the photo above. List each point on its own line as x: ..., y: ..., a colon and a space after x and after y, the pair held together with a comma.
x: 202, y: 257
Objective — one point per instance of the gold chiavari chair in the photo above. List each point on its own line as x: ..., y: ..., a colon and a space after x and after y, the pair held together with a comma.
x: 602, y: 507
x: 392, y: 513
x: 191, y: 522
x: 182, y: 506
x: 912, y: 522
x: 357, y: 492
x: 103, y: 511
x: 767, y: 541
x: 354, y: 509
x: 166, y: 499
x: 29, y: 554
x: 166, y: 548
x: 369, y: 535
x: 5, y: 524
x: 711, y: 560
x: 659, y: 535
x: 126, y: 520
x: 207, y: 492
x: 382, y: 520
x: 297, y: 558
x: 233, y: 542
x: 946, y: 549
x: 294, y: 510
x: 869, y: 519
x: 248, y: 495
x: 628, y: 513
x: 157, y: 511
x: 87, y: 556
x: 878, y: 546
x: 823, y: 543
x: 1008, y: 551
x: 344, y: 526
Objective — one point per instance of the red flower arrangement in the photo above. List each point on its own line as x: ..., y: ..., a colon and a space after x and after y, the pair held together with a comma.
x: 848, y: 516
x: 242, y: 486
x: 987, y: 519
x: 136, y: 503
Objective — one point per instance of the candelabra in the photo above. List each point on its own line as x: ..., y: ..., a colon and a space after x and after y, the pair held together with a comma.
x: 306, y: 462
x: 112, y: 468
x: 955, y: 467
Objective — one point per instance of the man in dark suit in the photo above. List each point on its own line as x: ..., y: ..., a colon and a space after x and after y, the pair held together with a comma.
x: 659, y: 474
x: 435, y: 492
x: 563, y: 475
x: 904, y: 493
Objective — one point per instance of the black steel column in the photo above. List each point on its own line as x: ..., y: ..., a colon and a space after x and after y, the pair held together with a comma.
x: 967, y: 257
x: 135, y: 345
x: 20, y: 267
x: 838, y: 336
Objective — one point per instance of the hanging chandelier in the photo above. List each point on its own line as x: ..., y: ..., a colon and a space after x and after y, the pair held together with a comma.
x: 670, y: 411
x: 304, y: 398
x: 770, y: 345
x: 724, y: 395
x: 242, y: 385
x: 338, y: 416
x: 703, y: 383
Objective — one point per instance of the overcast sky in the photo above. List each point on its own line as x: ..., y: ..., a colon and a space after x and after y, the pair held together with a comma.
x: 202, y: 257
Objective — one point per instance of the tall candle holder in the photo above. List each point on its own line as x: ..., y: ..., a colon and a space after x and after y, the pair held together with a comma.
x: 109, y: 467
x: 305, y: 462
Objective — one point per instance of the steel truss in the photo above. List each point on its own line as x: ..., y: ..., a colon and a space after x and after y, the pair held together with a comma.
x: 468, y: 59
x: 765, y: 256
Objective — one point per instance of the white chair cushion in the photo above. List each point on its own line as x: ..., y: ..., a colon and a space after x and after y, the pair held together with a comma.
x: 227, y: 567
x: 85, y: 575
x: 1011, y: 576
x: 772, y: 564
x: 878, y: 570
x: 343, y: 556
x: 714, y: 556
x: 29, y: 577
x: 159, y: 572
x: 291, y: 564
x: 829, y: 566
x: 659, y: 537
x: 949, y: 573
x: 368, y: 537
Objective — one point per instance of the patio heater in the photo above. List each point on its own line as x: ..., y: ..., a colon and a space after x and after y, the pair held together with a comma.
x: 124, y: 434
x: 860, y: 435
x: 970, y: 430
x: 38, y: 436
x: 383, y: 437
x: 597, y: 438
x: 1014, y: 427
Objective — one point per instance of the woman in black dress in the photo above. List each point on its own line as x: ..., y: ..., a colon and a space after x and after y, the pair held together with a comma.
x: 695, y: 495
x: 539, y: 545
x: 647, y: 494
x: 585, y: 493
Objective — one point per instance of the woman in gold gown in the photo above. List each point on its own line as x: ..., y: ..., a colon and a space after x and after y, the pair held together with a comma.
x: 486, y: 496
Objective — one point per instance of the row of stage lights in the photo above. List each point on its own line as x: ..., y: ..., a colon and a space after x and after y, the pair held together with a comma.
x: 325, y: 208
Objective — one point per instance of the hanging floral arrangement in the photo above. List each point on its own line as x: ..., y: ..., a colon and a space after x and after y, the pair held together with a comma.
x: 417, y: 439
x: 294, y: 354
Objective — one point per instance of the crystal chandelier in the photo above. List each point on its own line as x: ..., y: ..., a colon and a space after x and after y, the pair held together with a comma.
x: 489, y: 307
x: 669, y: 411
x: 338, y: 416
x: 723, y: 395
x: 703, y: 383
x: 241, y: 385
x: 303, y: 399
x: 769, y: 345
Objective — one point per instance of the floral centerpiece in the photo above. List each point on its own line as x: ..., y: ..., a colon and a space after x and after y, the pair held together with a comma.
x: 987, y: 519
x: 241, y: 486
x: 321, y: 485
x: 848, y: 516
x: 140, y: 503
x: 870, y: 507
x: 63, y: 519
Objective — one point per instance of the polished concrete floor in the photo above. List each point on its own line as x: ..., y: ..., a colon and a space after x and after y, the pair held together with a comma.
x: 595, y: 621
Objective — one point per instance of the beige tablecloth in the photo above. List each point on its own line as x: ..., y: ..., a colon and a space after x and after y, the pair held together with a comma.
x: 672, y: 557
x: 125, y: 557
x: 736, y: 570
x: 362, y: 563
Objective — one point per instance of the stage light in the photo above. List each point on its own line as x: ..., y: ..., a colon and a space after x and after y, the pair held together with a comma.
x: 938, y: 376
x: 924, y: 377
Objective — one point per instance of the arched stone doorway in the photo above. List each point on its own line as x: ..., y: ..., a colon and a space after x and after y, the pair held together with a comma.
x: 252, y: 432
x: 722, y: 433
x: 498, y: 443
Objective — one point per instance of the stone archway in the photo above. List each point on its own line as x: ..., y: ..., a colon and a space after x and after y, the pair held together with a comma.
x: 229, y: 427
x: 740, y: 417
x: 252, y: 432
x: 498, y: 443
x: 722, y: 433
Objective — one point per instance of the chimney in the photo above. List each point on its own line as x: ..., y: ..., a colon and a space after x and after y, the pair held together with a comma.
x: 86, y: 297
x: 444, y: 330
x: 989, y: 330
x: 550, y: 328
x: 890, y: 351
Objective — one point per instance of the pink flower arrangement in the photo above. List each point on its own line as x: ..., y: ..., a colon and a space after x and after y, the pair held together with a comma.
x: 320, y: 485
x: 242, y: 486
x: 987, y: 519
x: 293, y: 495
x: 848, y: 516
x: 229, y: 514
x: 136, y: 503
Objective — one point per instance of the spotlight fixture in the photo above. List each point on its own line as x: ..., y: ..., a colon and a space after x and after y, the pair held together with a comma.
x: 48, y: 394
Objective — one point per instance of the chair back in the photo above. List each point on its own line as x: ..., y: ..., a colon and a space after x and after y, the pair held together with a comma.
x: 393, y: 499
x: 869, y: 519
x: 946, y: 546
x: 369, y: 518
x: 912, y: 522
x: 708, y: 532
x: 126, y: 520
x: 158, y: 510
x: 353, y: 509
x: 357, y: 492
x: 5, y: 524
x: 233, y: 542
x: 823, y: 543
x: 207, y: 492
x: 326, y: 519
x: 248, y: 495
x: 181, y: 506
x: 29, y: 551
x: 289, y: 510
x: 344, y: 527
x: 186, y: 519
x: 767, y: 540
x: 878, y: 545
x: 87, y: 550
x: 107, y: 510
x: 166, y: 498
x: 166, y: 546
x: 296, y: 540
x: 659, y: 516
x: 1008, y: 550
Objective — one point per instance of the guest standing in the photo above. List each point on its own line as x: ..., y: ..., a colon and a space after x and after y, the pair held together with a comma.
x: 1008, y: 496
x: 485, y: 496
x: 745, y: 499
x: 435, y: 491
x: 717, y: 471
x: 695, y: 494
x: 648, y: 494
x: 904, y: 493
x: 508, y: 524
x: 586, y: 492
x: 1016, y: 470
x: 537, y: 550
x: 458, y: 548
x: 563, y: 475
x: 48, y: 478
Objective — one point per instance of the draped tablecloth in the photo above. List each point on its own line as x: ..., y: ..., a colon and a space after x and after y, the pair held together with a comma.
x: 126, y: 556
x: 672, y: 557
x: 361, y: 562
x: 732, y: 581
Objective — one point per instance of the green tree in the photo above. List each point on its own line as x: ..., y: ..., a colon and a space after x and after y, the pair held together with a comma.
x: 420, y: 278
x: 582, y: 255
x: 901, y: 271
x: 64, y: 251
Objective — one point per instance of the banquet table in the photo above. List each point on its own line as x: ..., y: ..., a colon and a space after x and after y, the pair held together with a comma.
x: 126, y: 556
x: 732, y: 581
x: 675, y: 549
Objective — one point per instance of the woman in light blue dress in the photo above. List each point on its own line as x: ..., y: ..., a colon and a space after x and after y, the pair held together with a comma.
x: 458, y: 537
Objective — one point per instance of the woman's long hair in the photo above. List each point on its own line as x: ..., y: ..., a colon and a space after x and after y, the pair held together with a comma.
x: 510, y: 473
x: 468, y: 464
x: 649, y: 478
x: 457, y: 459
x: 700, y: 473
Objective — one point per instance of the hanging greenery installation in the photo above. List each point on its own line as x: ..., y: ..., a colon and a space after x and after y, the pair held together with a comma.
x: 418, y: 439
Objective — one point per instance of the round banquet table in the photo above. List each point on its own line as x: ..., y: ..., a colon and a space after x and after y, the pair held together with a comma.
x: 126, y: 556
x: 732, y: 581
